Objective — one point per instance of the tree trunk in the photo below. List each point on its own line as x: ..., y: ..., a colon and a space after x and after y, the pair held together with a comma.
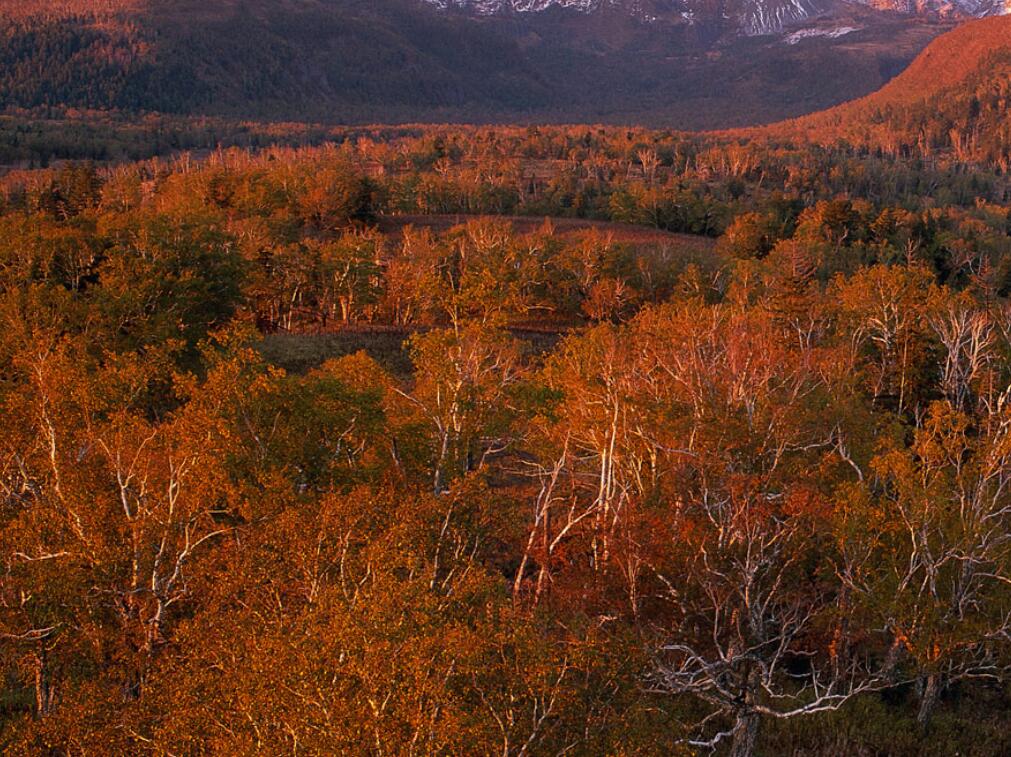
x: 745, y: 735
x: 443, y: 452
x: 930, y: 691
x: 43, y: 689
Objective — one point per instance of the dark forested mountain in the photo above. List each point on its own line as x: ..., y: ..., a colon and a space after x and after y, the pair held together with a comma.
x: 409, y: 60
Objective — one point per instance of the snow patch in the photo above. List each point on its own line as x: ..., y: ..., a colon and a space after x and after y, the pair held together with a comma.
x: 761, y: 17
x: 492, y: 7
x: 839, y: 31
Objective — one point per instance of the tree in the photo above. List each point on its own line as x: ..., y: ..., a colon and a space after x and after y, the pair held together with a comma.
x: 751, y: 235
x: 166, y: 278
x: 936, y: 550
x: 332, y: 195
x: 462, y: 397
x: 746, y: 572
x: 884, y: 310
x: 349, y: 269
x: 120, y: 505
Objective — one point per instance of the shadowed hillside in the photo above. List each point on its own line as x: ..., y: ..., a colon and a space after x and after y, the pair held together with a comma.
x: 353, y: 61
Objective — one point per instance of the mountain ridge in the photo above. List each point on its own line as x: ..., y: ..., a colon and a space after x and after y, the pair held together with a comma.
x: 750, y: 17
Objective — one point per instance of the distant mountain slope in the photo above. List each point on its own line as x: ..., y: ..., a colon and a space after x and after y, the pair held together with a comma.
x: 403, y: 60
x: 954, y: 99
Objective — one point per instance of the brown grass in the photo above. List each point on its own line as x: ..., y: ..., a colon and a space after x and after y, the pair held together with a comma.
x: 621, y: 233
x: 299, y: 353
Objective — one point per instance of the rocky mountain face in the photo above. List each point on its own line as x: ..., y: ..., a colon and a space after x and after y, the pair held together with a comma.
x: 747, y: 17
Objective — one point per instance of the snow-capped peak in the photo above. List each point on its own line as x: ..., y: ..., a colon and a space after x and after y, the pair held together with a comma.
x: 752, y: 17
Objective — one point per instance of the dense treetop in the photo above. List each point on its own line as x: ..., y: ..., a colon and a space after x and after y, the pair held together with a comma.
x: 455, y: 440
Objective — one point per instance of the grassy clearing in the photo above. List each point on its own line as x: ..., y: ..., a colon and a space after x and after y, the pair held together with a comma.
x: 300, y: 353
x: 620, y: 233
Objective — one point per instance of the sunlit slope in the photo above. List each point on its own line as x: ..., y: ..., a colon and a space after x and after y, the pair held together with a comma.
x: 953, y: 99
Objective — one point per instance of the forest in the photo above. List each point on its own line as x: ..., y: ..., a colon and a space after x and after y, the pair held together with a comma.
x: 516, y: 441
